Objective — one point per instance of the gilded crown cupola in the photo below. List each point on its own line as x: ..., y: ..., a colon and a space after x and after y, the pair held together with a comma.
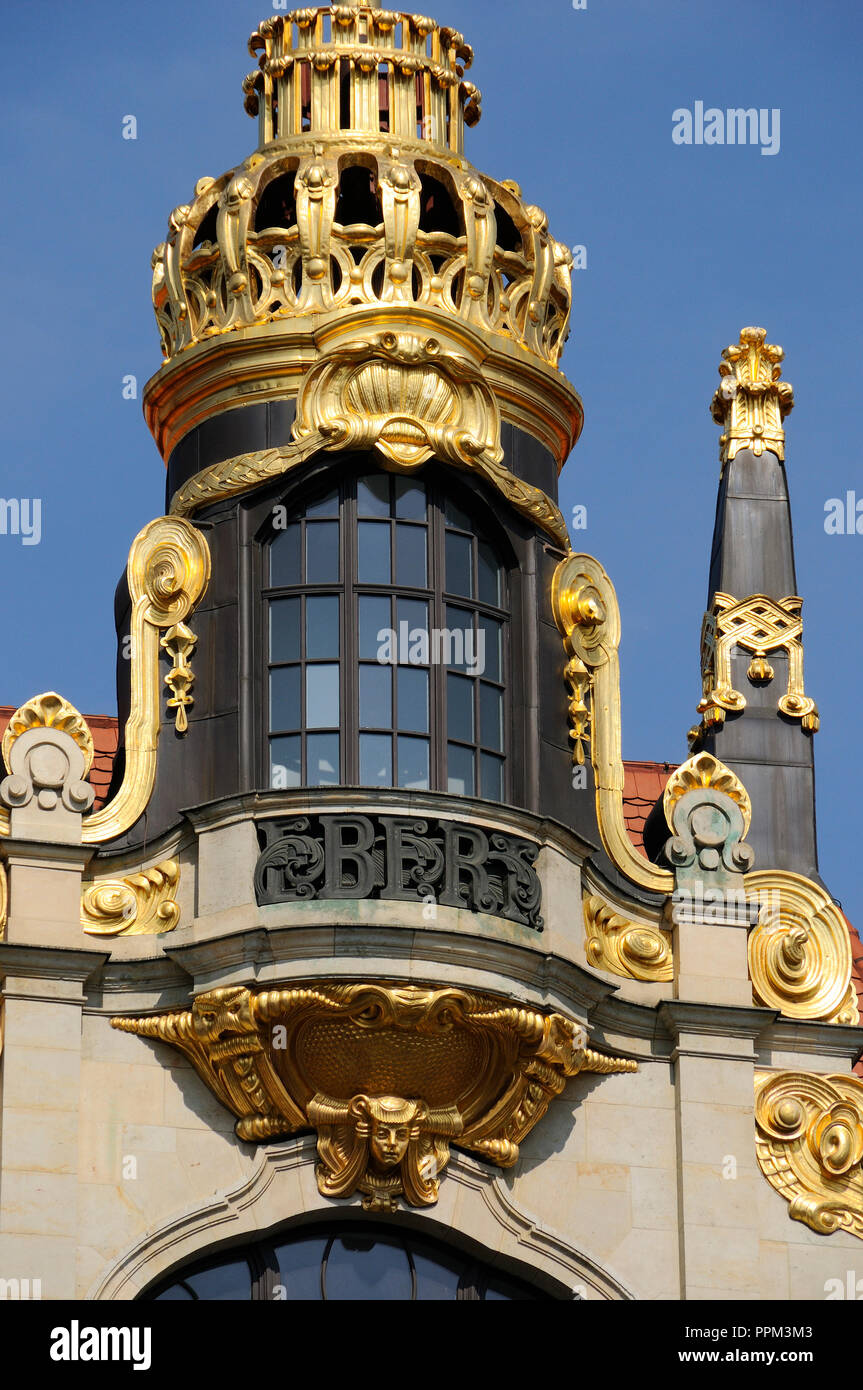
x: 361, y: 402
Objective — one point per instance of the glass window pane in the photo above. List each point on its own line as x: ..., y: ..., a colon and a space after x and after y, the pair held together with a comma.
x: 286, y: 768
x: 322, y: 696
x: 489, y: 575
x: 373, y: 495
x: 491, y: 777
x: 413, y: 699
x: 368, y: 1268
x: 285, y: 557
x: 322, y: 627
x: 437, y: 1278
x: 285, y: 629
x: 322, y: 552
x: 375, y: 618
x: 410, y: 500
x: 456, y: 517
x: 413, y: 764
x: 300, y: 1267
x: 459, y: 708
x: 490, y: 716
x: 326, y: 506
x: 460, y: 770
x: 459, y: 623
x: 376, y: 760
x: 229, y: 1281
x: 413, y: 637
x: 373, y: 560
x: 322, y: 757
x: 376, y: 697
x: 285, y: 698
x: 459, y: 565
x: 490, y: 648
x: 411, y: 556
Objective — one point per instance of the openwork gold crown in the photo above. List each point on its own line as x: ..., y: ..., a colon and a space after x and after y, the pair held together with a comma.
x: 355, y: 67
x: 359, y: 197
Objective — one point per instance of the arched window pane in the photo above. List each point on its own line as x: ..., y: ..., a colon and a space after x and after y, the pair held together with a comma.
x: 413, y: 764
x: 299, y: 1263
x: 322, y: 696
x: 322, y: 627
x: 369, y: 1270
x: 373, y: 544
x: 376, y: 697
x: 411, y: 569
x: 414, y: 546
x: 285, y: 629
x: 376, y: 760
x: 285, y: 564
x: 413, y: 700
x: 322, y: 552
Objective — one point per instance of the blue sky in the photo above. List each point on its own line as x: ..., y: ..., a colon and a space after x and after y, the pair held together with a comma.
x: 685, y: 245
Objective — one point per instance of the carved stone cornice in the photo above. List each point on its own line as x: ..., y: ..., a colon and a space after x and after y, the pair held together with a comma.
x: 810, y: 1146
x: 751, y: 402
x: 387, y: 1075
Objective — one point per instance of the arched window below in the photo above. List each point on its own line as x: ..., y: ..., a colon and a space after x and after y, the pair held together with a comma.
x: 383, y: 1264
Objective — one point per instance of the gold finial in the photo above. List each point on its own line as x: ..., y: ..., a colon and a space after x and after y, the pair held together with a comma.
x: 751, y: 402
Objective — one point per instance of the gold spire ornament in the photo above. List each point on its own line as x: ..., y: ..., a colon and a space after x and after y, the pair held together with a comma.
x: 751, y: 401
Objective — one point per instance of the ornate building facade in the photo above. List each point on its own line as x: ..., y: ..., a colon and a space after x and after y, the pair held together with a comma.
x: 363, y: 966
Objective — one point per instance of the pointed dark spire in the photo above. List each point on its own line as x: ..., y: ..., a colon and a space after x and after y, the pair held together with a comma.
x: 755, y: 714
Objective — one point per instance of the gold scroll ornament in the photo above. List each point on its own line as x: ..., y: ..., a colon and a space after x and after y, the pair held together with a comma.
x: 634, y: 950
x: 386, y: 1075
x: 403, y: 395
x: 809, y: 1145
x: 800, y: 951
x: 587, y: 614
x: 141, y: 904
x: 168, y: 572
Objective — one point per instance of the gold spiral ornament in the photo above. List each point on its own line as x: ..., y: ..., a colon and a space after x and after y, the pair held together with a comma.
x: 799, y: 951
x: 169, y: 565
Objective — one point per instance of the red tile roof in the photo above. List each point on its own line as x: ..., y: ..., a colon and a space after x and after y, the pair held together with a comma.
x: 643, y: 784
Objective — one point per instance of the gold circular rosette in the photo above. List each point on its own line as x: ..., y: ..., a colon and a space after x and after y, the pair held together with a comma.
x: 810, y: 1146
x: 800, y: 950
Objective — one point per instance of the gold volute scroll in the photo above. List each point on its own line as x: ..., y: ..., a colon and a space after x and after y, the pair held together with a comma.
x: 586, y: 611
x: 387, y: 1075
x: 799, y: 951
x: 168, y: 572
x: 751, y: 401
x: 141, y: 904
x: 634, y: 950
x: 809, y: 1145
